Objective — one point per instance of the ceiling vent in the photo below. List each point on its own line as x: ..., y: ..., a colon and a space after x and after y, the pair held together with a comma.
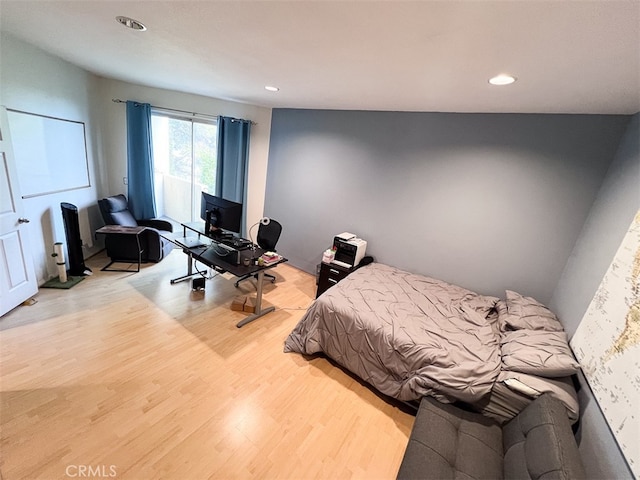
x: 131, y: 23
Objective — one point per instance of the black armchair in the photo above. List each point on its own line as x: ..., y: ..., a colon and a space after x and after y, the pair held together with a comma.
x: 268, y: 236
x: 115, y: 211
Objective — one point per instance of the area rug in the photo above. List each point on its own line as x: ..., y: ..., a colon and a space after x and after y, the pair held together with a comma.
x: 56, y: 283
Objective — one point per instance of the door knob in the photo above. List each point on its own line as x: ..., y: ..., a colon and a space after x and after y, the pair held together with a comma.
x: 23, y: 220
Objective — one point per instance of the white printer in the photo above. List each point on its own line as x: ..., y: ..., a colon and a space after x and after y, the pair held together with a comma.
x: 349, y: 249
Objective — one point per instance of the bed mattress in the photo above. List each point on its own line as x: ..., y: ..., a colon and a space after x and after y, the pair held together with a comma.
x: 407, y: 335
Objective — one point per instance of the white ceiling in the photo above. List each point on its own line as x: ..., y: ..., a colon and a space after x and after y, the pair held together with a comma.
x: 579, y: 56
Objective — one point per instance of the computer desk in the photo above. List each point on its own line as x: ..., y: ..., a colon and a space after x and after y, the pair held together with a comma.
x: 213, y: 257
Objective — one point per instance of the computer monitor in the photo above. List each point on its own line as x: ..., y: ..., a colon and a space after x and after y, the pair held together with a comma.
x: 220, y: 215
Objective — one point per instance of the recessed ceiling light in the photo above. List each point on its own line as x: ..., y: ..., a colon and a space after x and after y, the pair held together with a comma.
x: 131, y: 23
x: 502, y: 79
x: 271, y: 88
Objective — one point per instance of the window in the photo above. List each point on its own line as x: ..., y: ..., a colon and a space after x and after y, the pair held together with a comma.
x: 185, y: 163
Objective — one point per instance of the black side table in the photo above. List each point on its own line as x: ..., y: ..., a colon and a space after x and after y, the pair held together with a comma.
x: 122, y: 230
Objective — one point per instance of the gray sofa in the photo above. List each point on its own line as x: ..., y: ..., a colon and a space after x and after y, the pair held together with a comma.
x: 450, y: 443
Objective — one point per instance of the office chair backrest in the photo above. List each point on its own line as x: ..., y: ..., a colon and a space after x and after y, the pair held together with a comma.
x: 268, y: 235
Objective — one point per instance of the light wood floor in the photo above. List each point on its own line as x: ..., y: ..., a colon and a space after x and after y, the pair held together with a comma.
x: 135, y: 378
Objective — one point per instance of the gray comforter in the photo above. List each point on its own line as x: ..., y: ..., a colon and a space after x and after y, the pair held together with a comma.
x: 407, y: 335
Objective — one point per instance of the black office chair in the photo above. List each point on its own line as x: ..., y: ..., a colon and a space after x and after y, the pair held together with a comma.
x: 268, y: 235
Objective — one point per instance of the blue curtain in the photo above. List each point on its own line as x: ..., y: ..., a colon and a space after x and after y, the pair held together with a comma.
x: 233, y: 158
x: 140, y: 161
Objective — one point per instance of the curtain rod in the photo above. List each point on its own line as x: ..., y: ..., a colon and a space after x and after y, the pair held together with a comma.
x: 194, y: 114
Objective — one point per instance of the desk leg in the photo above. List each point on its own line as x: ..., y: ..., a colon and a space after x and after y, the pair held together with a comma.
x: 139, y: 251
x: 259, y: 311
x: 190, y: 272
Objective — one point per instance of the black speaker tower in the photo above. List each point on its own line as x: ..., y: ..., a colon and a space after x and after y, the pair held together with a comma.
x: 74, y: 242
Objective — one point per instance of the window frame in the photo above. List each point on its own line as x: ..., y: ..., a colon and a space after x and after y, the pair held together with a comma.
x: 192, y: 119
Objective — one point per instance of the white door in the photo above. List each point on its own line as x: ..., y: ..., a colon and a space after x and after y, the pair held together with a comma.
x: 17, y: 275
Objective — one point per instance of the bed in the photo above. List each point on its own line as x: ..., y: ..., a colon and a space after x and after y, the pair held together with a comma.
x: 411, y: 336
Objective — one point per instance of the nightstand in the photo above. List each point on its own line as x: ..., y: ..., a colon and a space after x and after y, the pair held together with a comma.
x: 330, y: 274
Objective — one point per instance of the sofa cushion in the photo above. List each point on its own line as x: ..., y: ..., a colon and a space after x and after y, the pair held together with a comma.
x: 124, y: 218
x: 116, y: 203
x: 116, y: 208
x: 449, y: 443
x: 539, y: 443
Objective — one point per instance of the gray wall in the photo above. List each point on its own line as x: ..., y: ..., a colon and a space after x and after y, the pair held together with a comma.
x: 486, y: 201
x: 616, y: 204
x: 525, y: 202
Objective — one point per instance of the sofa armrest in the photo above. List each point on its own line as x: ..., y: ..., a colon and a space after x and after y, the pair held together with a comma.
x: 539, y: 443
x: 157, y: 224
